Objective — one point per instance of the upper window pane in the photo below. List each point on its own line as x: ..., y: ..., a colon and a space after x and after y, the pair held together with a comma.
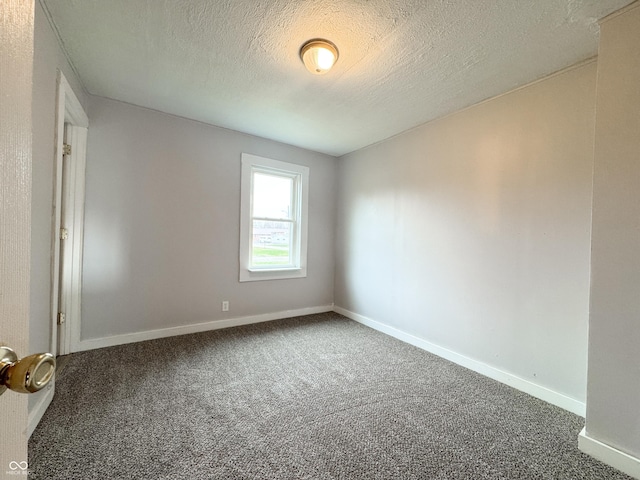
x: 272, y: 196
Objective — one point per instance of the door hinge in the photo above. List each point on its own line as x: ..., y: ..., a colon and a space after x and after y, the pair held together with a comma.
x: 64, y: 234
x: 66, y: 149
x: 61, y: 318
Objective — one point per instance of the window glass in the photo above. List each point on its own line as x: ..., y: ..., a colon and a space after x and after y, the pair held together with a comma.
x: 271, y: 243
x: 271, y: 196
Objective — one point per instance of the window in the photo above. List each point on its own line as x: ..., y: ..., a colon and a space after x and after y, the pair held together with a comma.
x: 273, y: 219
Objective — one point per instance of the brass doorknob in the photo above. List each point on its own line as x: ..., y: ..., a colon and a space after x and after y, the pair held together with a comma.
x: 27, y: 375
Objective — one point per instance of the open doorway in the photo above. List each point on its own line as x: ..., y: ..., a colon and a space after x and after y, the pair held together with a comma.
x: 71, y: 140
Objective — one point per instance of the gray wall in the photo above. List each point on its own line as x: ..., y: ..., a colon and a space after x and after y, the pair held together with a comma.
x: 48, y: 58
x: 473, y: 231
x: 614, y: 325
x: 162, y: 224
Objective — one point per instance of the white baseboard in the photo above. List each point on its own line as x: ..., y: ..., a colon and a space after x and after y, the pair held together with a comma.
x: 36, y: 413
x: 609, y: 455
x: 518, y: 383
x: 93, y: 343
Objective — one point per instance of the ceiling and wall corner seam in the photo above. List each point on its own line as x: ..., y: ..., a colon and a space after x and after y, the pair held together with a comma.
x: 63, y: 48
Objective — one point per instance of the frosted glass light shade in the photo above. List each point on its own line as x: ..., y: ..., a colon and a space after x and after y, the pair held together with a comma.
x: 319, y: 56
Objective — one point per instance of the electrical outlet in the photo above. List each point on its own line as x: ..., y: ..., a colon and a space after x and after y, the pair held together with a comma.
x: 225, y: 306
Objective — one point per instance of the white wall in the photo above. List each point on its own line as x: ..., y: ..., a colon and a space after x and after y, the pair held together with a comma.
x: 48, y: 58
x: 613, y: 396
x: 472, y: 232
x: 162, y: 224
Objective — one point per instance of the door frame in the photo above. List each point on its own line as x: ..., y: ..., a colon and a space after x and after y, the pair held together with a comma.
x: 65, y: 338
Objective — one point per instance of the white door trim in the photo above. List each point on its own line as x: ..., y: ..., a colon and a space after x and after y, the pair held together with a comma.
x: 69, y: 111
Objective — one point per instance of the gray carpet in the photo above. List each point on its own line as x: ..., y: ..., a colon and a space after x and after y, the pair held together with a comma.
x: 316, y: 397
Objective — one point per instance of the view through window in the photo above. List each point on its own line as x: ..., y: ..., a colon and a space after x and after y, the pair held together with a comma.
x: 274, y: 220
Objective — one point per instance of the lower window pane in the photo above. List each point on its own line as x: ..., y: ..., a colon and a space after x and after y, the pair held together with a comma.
x: 271, y: 244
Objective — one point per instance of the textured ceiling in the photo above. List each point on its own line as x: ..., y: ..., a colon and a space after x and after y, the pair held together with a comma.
x: 235, y: 64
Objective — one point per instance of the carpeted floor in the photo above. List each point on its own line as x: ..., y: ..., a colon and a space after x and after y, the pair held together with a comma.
x: 316, y: 397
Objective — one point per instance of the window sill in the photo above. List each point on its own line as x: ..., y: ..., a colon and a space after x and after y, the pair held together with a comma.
x: 253, y: 275
x: 284, y: 269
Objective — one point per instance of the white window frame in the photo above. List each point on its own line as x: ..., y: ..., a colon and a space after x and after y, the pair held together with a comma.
x: 300, y: 174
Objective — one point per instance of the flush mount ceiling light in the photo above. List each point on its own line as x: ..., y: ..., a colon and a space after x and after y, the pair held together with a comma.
x: 319, y: 55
